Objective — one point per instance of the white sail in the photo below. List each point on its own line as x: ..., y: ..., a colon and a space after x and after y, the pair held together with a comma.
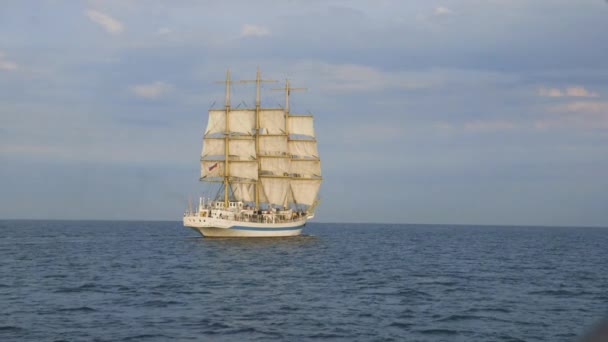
x: 243, y: 149
x: 215, y: 168
x: 305, y: 168
x: 305, y: 190
x: 243, y: 192
x: 212, y: 168
x: 242, y: 121
x: 240, y: 149
x: 301, y: 125
x: 213, y: 147
x: 275, y: 190
x: 303, y: 148
x: 272, y: 121
x: 273, y: 145
x: 274, y: 166
x: 216, y: 122
x: 246, y: 170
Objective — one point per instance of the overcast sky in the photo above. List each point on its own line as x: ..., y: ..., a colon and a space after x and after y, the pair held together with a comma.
x: 455, y: 111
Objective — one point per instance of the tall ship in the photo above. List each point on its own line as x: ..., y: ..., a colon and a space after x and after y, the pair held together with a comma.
x: 266, y: 168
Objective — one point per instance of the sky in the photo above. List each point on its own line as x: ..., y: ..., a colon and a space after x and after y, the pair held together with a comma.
x: 438, y: 112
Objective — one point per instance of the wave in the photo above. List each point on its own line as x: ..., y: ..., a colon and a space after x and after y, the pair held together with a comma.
x: 559, y: 293
x: 439, y: 332
x: 160, y: 303
x: 78, y: 309
x: 81, y: 288
x: 10, y: 328
x: 145, y: 336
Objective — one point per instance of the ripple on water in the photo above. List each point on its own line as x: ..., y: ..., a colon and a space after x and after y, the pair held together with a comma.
x: 153, y: 282
x: 82, y: 288
x: 145, y: 337
x: 160, y: 303
x: 446, y: 332
x: 11, y: 328
x: 77, y: 309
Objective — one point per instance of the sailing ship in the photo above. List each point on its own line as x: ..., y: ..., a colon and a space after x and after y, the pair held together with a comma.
x: 267, y: 165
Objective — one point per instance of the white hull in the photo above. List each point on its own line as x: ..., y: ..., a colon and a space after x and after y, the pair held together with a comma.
x: 215, y: 227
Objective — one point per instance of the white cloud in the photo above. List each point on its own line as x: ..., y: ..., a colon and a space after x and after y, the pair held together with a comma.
x: 164, y: 30
x: 441, y: 10
x: 581, y: 114
x: 151, y: 90
x: 550, y: 92
x: 583, y: 106
x: 578, y: 91
x: 6, y: 64
x: 250, y: 30
x: 346, y: 78
x: 489, y: 126
x: 571, y: 91
x: 110, y: 24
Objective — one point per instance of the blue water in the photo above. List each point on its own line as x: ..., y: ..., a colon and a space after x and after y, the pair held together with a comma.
x: 158, y: 281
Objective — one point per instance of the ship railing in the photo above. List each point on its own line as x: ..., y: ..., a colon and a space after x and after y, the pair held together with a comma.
x: 259, y: 218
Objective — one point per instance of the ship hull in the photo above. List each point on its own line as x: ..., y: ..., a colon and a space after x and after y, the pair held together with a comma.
x: 209, y: 227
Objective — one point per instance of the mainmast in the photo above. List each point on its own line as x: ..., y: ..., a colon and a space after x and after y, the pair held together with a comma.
x: 257, y: 81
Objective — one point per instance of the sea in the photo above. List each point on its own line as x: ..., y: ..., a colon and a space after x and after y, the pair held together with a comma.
x: 159, y: 281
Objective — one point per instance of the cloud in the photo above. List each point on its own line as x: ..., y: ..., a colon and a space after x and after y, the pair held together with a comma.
x: 550, y: 92
x: 346, y: 78
x: 571, y: 91
x: 577, y: 91
x: 164, y: 30
x: 583, y: 106
x: 6, y: 64
x: 489, y: 126
x: 442, y: 10
x: 151, y: 90
x: 250, y: 30
x: 109, y: 24
x: 581, y: 114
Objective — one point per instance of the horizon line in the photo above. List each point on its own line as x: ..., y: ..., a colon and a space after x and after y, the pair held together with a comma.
x: 328, y: 222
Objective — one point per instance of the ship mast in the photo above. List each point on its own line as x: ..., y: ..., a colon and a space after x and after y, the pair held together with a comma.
x: 226, y: 138
x: 287, y: 90
x: 257, y: 81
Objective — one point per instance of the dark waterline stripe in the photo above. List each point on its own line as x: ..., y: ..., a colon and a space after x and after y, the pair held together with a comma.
x: 264, y: 229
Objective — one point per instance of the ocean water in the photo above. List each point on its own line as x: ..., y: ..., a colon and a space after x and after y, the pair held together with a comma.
x: 158, y: 281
